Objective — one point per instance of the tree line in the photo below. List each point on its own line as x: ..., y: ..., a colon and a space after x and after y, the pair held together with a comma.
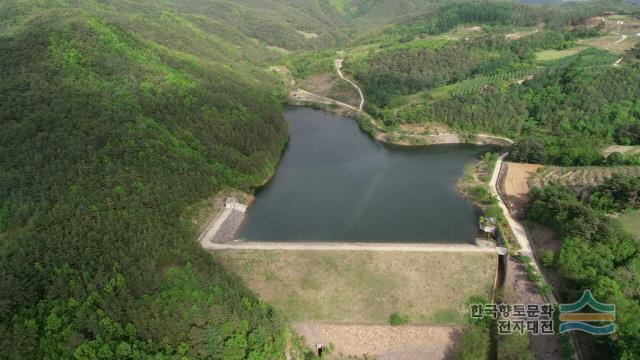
x: 596, y: 253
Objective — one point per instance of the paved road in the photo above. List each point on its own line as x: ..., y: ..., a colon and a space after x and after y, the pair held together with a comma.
x: 345, y: 246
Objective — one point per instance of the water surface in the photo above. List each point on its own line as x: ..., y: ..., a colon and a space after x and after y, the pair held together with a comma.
x: 335, y: 183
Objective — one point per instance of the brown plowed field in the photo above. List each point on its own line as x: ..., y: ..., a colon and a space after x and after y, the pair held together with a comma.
x: 516, y: 184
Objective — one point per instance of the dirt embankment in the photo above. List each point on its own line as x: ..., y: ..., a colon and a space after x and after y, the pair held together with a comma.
x: 383, y: 342
x: 227, y: 216
x: 306, y: 98
x: 442, y: 138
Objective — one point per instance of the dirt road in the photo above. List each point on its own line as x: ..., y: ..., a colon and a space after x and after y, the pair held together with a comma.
x: 517, y: 228
x: 338, y: 64
x: 622, y: 38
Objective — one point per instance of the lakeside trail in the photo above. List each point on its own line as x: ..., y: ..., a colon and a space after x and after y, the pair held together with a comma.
x: 518, y: 288
x: 338, y: 64
x: 517, y: 228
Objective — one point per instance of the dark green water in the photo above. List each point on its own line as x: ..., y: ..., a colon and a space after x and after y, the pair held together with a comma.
x: 335, y: 183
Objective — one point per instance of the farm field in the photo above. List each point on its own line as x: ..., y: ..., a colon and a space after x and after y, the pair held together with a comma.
x: 475, y: 85
x: 579, y: 177
x: 515, y: 184
x: 364, y: 287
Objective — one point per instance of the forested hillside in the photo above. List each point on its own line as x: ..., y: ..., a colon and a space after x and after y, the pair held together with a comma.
x: 596, y: 253
x: 476, y: 67
x: 115, y: 118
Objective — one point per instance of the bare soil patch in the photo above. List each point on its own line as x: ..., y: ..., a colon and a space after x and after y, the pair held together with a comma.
x: 383, y: 341
x: 521, y: 34
x: 516, y: 185
x: 331, y: 86
x: 304, y: 97
x: 307, y: 35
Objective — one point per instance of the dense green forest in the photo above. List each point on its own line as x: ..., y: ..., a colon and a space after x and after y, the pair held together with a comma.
x: 597, y: 253
x: 115, y: 118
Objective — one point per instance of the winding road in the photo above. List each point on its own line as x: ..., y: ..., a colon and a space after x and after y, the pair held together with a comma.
x: 338, y: 64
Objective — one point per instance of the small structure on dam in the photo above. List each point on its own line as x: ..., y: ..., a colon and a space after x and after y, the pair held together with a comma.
x: 223, y: 228
x: 488, y: 224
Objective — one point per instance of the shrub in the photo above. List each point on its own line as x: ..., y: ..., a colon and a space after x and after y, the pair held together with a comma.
x: 547, y: 258
x: 397, y: 319
x: 514, y: 347
x: 474, y: 344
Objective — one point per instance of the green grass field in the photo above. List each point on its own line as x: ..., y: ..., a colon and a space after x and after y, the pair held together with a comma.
x: 631, y: 222
x: 549, y: 55
x: 364, y: 286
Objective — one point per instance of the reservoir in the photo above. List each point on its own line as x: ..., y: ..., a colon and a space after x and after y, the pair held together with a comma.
x: 335, y: 183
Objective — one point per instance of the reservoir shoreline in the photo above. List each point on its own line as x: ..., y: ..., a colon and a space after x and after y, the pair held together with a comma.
x: 377, y: 181
x: 239, y: 219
